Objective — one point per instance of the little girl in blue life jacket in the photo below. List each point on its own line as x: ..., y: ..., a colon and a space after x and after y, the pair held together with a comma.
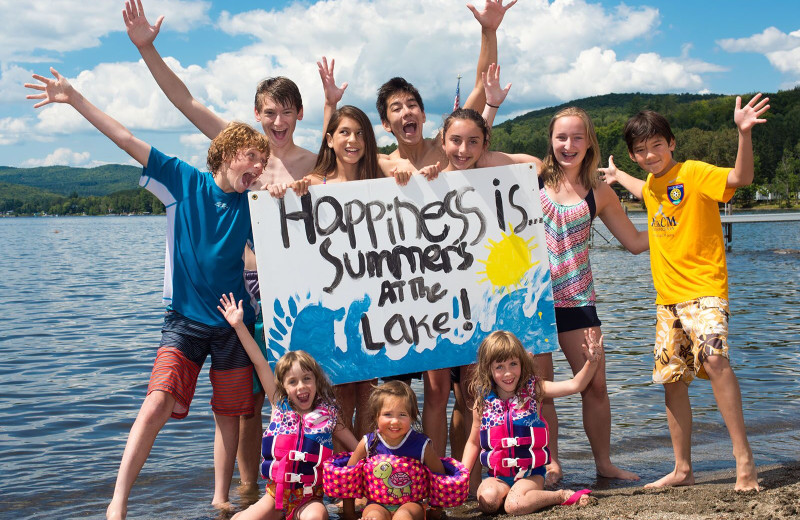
x: 299, y: 438
x: 507, y: 430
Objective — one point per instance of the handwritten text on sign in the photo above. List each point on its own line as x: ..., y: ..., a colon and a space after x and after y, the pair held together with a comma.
x: 374, y: 279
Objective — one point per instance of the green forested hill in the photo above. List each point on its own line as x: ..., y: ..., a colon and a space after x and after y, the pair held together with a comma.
x: 703, y: 126
x: 65, y: 180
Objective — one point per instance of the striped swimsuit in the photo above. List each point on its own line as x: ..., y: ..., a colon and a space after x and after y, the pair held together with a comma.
x: 568, y: 229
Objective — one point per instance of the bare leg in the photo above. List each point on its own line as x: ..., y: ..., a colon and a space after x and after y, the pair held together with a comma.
x: 679, y: 418
x: 491, y: 495
x: 363, y: 389
x: 264, y: 509
x: 596, y: 405
x: 314, y: 510
x: 458, y: 436
x: 729, y: 401
x: 156, y: 409
x: 528, y: 495
x: 467, y: 373
x: 434, y: 408
x: 544, y: 367
x: 226, y: 440
x: 248, y: 454
x: 346, y: 399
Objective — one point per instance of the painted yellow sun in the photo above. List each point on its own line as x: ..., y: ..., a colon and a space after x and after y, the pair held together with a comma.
x: 508, y: 261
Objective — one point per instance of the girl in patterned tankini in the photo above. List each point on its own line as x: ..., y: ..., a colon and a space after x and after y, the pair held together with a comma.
x: 507, y: 430
x: 305, y: 420
x: 393, y: 412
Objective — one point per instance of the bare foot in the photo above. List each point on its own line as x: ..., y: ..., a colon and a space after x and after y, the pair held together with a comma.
x: 611, y: 471
x: 584, y: 499
x: 224, y: 506
x: 675, y: 478
x: 554, y: 475
x: 746, y: 476
x: 117, y: 510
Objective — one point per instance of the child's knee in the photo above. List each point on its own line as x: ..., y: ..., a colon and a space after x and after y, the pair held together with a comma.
x: 157, y: 405
x: 716, y: 365
x: 490, y: 500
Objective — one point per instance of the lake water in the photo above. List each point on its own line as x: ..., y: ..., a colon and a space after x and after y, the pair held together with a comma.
x: 81, y: 315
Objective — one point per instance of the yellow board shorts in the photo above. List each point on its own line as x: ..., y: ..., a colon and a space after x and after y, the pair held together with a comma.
x: 294, y: 498
x: 687, y: 333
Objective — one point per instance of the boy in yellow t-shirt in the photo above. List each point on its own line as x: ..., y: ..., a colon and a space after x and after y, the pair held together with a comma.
x: 687, y: 258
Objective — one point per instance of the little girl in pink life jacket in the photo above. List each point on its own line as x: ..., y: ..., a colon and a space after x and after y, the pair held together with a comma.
x: 299, y: 438
x: 508, y: 433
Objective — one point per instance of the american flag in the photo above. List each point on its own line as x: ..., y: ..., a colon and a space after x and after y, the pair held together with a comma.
x: 457, y: 100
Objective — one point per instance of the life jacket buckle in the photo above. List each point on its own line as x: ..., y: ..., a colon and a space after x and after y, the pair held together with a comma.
x: 509, y: 442
x: 292, y: 478
x: 297, y: 456
x: 510, y: 463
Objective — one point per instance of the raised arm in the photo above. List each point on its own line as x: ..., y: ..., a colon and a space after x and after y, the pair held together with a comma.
x: 593, y: 352
x: 613, y: 216
x: 234, y: 314
x: 59, y: 90
x: 494, y: 94
x: 489, y: 18
x: 142, y: 34
x: 612, y: 174
x: 746, y: 118
x: 333, y: 94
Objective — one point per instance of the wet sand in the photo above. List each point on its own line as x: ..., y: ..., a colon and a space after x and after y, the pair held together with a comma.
x: 712, y: 497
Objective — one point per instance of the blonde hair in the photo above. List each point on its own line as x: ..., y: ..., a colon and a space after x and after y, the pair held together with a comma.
x: 324, y: 392
x: 552, y: 175
x: 498, y: 346
x: 234, y: 138
x: 387, y: 390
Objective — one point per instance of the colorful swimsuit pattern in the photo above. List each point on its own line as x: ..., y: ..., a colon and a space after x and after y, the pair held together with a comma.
x: 411, y: 447
x: 568, y: 229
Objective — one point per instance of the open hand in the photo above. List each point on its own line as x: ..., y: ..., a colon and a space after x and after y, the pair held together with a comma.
x: 233, y: 314
x: 593, y: 348
x: 609, y: 174
x: 56, y: 90
x: 748, y: 116
x: 139, y: 29
x: 491, y: 86
x: 333, y: 94
x: 492, y: 13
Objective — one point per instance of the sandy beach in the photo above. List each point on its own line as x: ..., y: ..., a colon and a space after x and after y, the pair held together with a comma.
x: 712, y: 497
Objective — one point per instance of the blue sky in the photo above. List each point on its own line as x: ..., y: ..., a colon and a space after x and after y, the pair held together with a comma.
x: 552, y: 52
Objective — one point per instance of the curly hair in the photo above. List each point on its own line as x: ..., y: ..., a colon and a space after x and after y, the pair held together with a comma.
x: 552, y: 175
x: 500, y: 346
x: 388, y: 390
x: 324, y: 391
x: 368, y: 164
x: 235, y: 137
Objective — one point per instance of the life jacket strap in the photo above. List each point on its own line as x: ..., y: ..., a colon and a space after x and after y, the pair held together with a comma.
x: 303, y: 456
x: 510, y: 442
x: 516, y: 463
x: 297, y: 478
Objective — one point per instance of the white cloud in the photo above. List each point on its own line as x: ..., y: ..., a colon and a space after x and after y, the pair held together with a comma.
x: 60, y: 26
x: 781, y: 49
x: 11, y: 128
x: 60, y: 156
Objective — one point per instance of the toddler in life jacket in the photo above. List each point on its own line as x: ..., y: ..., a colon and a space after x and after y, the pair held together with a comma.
x: 299, y: 438
x: 507, y: 430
